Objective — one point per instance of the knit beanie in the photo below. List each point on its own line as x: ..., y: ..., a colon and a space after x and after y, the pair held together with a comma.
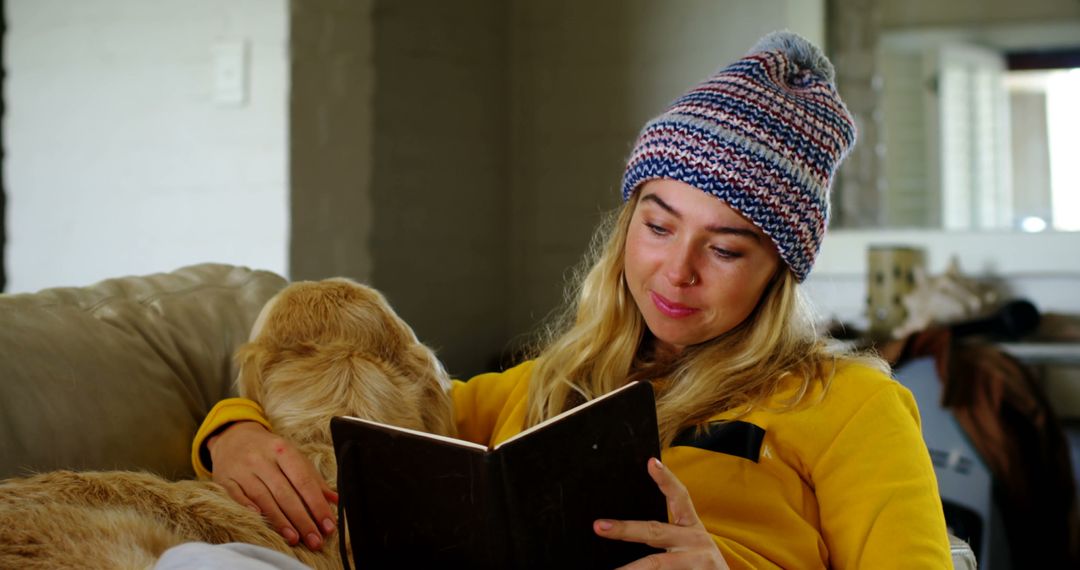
x: 765, y: 135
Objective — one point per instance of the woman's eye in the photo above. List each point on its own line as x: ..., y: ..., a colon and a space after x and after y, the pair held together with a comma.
x: 725, y: 253
x: 658, y: 230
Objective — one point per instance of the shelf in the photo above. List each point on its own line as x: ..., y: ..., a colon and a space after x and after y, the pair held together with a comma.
x: 1044, y: 352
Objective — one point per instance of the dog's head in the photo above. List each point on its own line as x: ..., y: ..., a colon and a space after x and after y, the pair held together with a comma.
x: 335, y: 347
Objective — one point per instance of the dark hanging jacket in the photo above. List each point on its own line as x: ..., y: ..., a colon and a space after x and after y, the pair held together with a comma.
x: 1008, y: 418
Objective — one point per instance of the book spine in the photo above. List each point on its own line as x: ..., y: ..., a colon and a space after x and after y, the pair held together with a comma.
x: 501, y: 547
x: 510, y: 536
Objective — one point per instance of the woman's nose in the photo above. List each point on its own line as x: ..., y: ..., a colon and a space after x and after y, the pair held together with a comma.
x: 680, y: 267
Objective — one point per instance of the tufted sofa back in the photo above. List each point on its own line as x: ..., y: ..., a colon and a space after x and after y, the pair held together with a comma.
x: 119, y: 374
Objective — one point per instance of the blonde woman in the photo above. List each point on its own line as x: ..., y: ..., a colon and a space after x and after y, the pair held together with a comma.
x: 778, y: 450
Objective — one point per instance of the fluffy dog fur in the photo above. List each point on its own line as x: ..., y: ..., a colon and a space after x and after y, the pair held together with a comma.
x: 317, y: 350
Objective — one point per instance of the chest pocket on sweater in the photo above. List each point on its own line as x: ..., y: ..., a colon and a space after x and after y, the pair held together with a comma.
x: 741, y: 439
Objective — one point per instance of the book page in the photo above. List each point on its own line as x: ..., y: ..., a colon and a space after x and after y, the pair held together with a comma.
x: 569, y: 412
x: 434, y: 436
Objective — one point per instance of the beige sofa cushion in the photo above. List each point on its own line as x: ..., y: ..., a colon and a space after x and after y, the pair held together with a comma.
x: 118, y: 375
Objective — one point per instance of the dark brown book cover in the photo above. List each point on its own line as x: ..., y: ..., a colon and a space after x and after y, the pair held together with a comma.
x: 416, y: 500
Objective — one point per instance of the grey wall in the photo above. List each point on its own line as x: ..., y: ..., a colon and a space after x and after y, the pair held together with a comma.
x: 440, y: 181
x: 331, y: 139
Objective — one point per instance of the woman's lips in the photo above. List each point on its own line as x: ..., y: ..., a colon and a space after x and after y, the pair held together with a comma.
x: 671, y: 308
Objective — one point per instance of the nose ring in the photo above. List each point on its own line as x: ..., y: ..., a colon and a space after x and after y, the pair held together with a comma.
x: 693, y: 280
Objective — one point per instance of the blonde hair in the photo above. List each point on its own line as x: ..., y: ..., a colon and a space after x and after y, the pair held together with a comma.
x: 596, y: 346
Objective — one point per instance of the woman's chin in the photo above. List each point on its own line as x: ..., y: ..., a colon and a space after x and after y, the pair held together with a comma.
x: 671, y: 343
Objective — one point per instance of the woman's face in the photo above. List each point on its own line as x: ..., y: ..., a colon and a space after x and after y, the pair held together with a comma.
x: 695, y: 267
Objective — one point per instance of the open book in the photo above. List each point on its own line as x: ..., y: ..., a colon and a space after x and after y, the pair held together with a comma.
x: 417, y: 500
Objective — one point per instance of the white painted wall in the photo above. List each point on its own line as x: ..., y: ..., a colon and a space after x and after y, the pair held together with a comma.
x: 119, y: 160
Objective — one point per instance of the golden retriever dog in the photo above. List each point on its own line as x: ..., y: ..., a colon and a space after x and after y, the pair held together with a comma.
x: 317, y: 350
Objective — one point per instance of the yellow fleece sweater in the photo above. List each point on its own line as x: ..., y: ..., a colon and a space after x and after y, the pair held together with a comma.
x: 844, y: 482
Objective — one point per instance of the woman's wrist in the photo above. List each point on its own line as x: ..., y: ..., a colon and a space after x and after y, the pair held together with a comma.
x: 207, y: 455
x: 210, y: 441
x: 222, y: 416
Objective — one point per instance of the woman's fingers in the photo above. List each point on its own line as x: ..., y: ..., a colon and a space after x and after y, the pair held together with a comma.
x: 305, y: 498
x: 273, y: 510
x: 686, y: 542
x: 260, y: 469
x: 691, y: 559
x: 685, y: 530
x: 680, y: 507
x: 237, y: 494
x: 685, y: 547
x: 653, y: 533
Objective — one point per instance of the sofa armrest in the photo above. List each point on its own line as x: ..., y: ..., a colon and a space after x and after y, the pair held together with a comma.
x: 119, y: 374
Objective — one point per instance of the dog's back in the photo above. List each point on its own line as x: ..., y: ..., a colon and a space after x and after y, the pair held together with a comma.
x: 116, y: 519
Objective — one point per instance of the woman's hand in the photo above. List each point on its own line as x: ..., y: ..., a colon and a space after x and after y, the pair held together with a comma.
x: 269, y: 475
x: 687, y: 542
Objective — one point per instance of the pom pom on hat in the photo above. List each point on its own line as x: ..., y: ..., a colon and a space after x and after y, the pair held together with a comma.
x: 799, y: 50
x: 765, y: 135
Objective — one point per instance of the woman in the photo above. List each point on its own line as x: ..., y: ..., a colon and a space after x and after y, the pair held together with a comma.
x: 778, y: 450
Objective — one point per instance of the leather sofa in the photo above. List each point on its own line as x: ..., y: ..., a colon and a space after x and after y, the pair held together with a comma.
x: 119, y: 374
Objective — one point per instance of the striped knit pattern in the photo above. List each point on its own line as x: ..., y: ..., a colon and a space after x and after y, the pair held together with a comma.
x: 765, y: 135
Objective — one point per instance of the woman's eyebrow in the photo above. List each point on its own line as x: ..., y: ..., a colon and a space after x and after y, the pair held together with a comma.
x: 725, y: 230
x: 656, y: 200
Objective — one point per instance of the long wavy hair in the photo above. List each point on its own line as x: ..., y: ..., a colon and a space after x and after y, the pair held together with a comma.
x: 601, y: 341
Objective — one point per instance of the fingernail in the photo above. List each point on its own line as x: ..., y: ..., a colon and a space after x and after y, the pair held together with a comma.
x: 314, y: 541
x: 605, y: 525
x: 290, y: 535
x: 657, y: 463
x: 328, y: 526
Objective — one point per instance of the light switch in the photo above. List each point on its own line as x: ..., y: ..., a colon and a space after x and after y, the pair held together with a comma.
x: 230, y: 72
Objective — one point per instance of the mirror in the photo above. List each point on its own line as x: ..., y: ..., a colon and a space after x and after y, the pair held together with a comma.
x: 970, y: 127
x: 971, y: 140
